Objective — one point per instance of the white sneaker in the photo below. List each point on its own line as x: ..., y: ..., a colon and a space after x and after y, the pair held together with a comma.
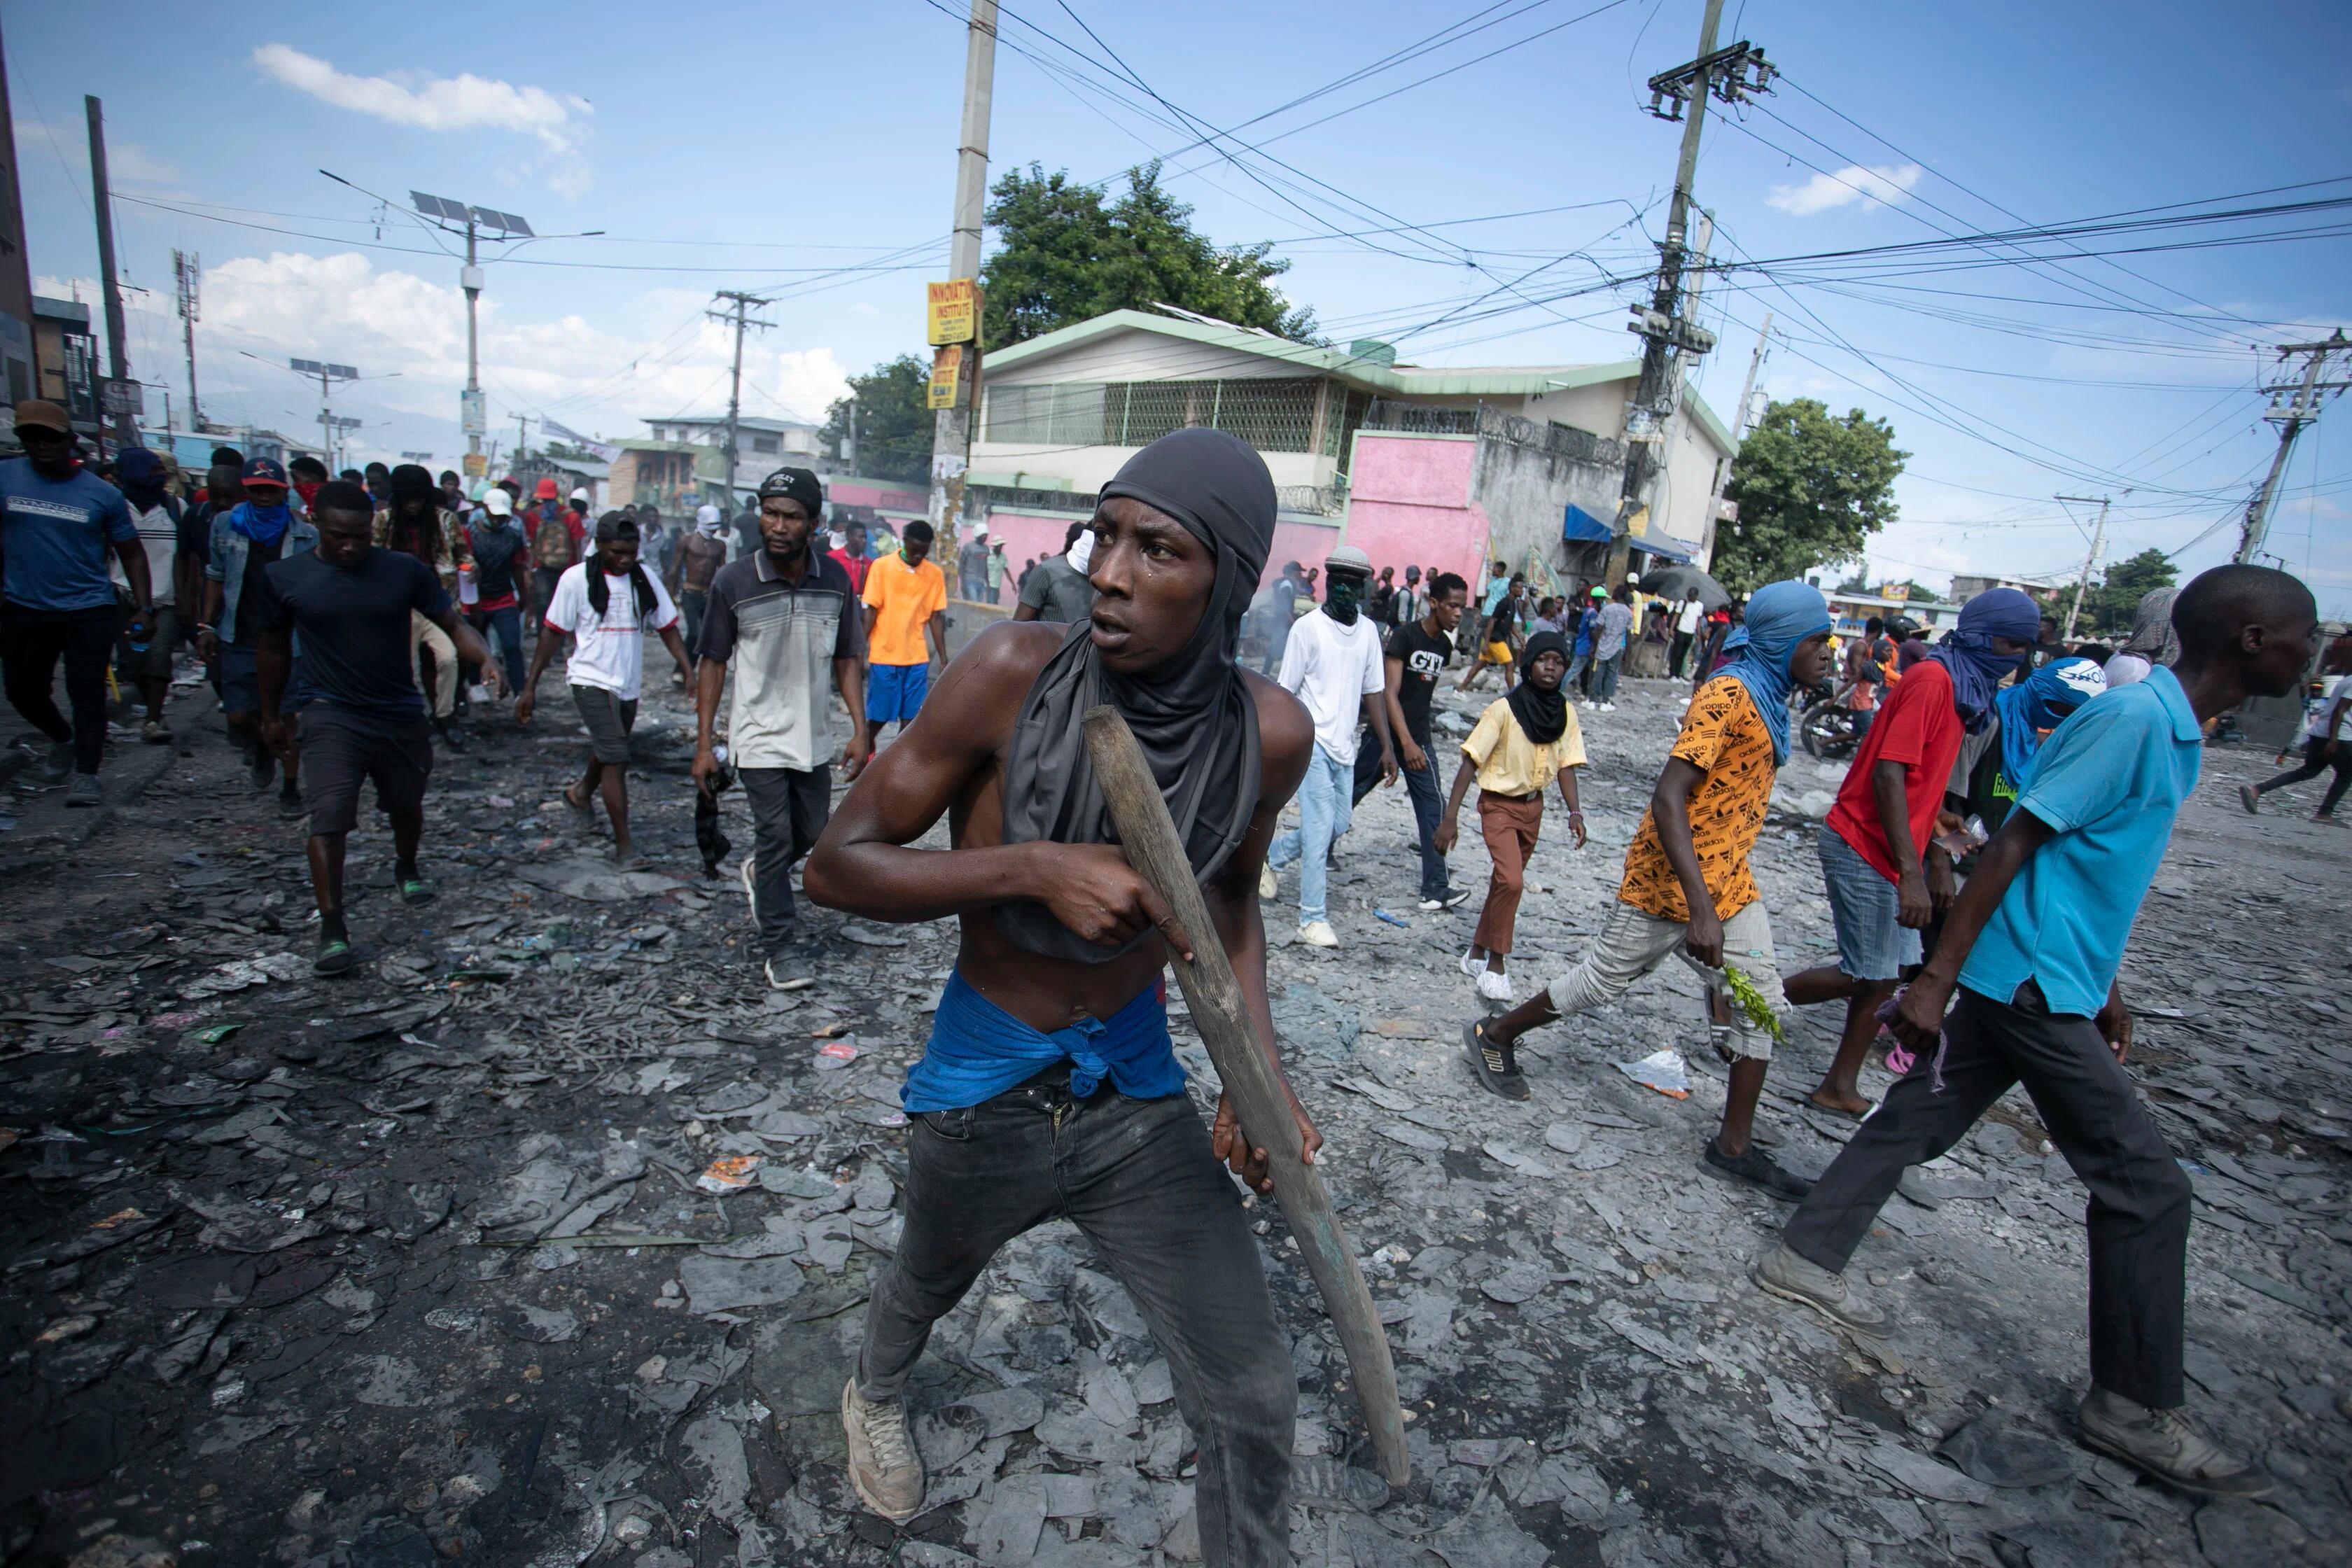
x: 1588, y: 704
x: 884, y: 1465
x: 1472, y: 967
x: 1609, y: 707
x: 751, y: 887
x: 1430, y: 906
x: 1494, y: 987
x: 1319, y: 934
x: 1266, y: 888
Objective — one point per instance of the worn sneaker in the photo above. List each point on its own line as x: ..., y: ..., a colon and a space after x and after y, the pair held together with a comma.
x: 1494, y: 1063
x: 1494, y: 987
x: 82, y: 789
x: 155, y: 733
x: 884, y: 1465
x: 59, y: 765
x: 289, y: 802
x: 787, y: 972
x: 1319, y: 934
x: 2166, y: 1445
x: 1609, y: 707
x: 1474, y: 962
x: 2251, y: 798
x: 1793, y: 1279
x: 1267, y: 887
x: 1448, y: 902
x: 262, y: 767
x: 1756, y: 1168
x: 751, y: 885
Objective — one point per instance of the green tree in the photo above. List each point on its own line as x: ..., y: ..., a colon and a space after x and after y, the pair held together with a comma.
x: 2111, y: 607
x: 1811, y: 488
x: 1066, y: 254
x: 894, y: 424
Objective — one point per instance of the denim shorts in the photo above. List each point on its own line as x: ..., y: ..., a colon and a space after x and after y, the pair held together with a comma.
x: 1871, y: 944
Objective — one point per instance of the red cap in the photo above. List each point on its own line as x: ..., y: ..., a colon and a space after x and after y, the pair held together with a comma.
x: 545, y: 490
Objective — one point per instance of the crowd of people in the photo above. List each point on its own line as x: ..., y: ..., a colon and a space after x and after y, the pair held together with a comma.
x: 2002, y: 817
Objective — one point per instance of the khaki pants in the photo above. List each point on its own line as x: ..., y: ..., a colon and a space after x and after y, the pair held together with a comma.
x: 423, y: 634
x: 1509, y: 825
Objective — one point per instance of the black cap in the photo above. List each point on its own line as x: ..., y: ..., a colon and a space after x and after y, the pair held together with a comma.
x: 795, y: 484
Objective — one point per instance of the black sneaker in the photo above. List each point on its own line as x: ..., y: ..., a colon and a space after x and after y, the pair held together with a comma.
x: 1756, y: 1168
x: 448, y: 735
x: 289, y: 802
x: 1495, y: 1063
x: 264, y: 767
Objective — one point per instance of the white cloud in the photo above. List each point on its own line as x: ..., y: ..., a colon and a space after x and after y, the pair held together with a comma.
x: 1876, y: 187
x: 466, y: 102
x: 127, y: 163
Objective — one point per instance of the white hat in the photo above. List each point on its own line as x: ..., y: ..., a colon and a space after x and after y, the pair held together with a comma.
x: 980, y: 530
x: 1348, y: 558
x: 498, y: 502
x: 706, y: 513
x: 581, y: 493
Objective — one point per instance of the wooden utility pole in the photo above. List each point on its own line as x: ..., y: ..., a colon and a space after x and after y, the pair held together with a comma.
x: 2293, y: 407
x: 1681, y: 93
x: 739, y: 304
x: 951, y: 427
x: 117, y: 362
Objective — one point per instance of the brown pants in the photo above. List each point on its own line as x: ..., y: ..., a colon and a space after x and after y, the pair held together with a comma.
x: 1509, y: 825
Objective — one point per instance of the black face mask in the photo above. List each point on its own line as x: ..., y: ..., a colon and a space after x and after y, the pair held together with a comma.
x: 1344, y: 598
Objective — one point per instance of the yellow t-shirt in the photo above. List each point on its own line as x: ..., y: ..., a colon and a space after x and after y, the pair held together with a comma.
x: 1510, y: 763
x: 904, y: 599
x: 1724, y: 736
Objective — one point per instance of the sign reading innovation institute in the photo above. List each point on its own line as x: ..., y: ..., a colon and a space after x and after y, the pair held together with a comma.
x: 954, y: 314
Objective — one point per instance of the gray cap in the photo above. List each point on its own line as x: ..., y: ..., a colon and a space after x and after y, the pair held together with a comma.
x: 1348, y: 558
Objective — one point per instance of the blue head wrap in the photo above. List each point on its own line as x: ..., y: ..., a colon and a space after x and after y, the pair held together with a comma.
x: 1966, y: 651
x: 1780, y: 615
x: 262, y: 524
x: 2038, y: 703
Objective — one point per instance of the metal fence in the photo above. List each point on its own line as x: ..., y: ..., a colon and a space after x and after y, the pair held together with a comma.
x: 1272, y: 414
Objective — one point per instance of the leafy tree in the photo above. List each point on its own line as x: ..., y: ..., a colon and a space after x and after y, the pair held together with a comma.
x: 894, y: 423
x: 1811, y: 488
x: 1067, y: 255
x: 2111, y: 607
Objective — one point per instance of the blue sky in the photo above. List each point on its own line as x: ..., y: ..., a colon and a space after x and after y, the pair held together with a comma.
x: 768, y: 146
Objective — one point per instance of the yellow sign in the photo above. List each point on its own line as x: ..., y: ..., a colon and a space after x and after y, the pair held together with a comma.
x: 947, y: 376
x: 954, y: 316
x: 477, y: 466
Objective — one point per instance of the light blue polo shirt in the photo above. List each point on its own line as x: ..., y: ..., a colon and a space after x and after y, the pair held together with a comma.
x: 2109, y: 781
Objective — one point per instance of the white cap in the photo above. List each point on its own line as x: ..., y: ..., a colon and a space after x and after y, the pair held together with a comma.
x: 706, y: 513
x: 980, y: 530
x: 581, y: 493
x: 498, y: 502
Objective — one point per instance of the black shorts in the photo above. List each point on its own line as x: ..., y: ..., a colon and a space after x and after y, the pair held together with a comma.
x: 342, y: 748
x: 609, y: 720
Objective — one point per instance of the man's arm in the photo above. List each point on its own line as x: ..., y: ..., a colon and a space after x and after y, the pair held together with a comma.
x: 1409, y: 752
x: 134, y: 556
x: 273, y: 657
x: 709, y: 680
x: 849, y: 675
x: 542, y: 654
x: 936, y: 628
x: 863, y: 864
x: 1921, y: 1016
x: 1670, y: 810
x: 676, y: 646
x: 1567, y: 798
x: 1442, y: 840
x: 2336, y: 718
x: 1376, y: 713
x: 469, y: 644
x: 1912, y: 906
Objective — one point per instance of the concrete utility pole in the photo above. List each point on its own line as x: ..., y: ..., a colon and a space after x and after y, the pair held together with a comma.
x: 2301, y: 407
x: 1738, y: 434
x: 522, y: 439
x: 741, y: 303
x: 186, y: 272
x: 1681, y: 93
x: 952, y: 428
x: 471, y: 413
x: 118, y: 364
x: 2090, y: 562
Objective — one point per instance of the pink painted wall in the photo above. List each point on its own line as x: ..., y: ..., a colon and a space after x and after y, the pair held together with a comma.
x: 851, y: 492
x: 1409, y: 504
x: 1024, y: 535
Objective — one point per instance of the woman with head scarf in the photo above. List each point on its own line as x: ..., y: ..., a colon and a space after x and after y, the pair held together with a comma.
x: 1687, y: 887
x: 1049, y: 1086
x: 607, y: 604
x: 1522, y: 742
x: 1884, y: 876
x: 2152, y: 641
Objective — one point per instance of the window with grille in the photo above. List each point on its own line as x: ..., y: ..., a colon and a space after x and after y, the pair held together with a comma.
x: 1272, y: 414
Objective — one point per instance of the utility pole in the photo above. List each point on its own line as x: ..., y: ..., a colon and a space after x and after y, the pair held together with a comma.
x: 1738, y: 434
x: 522, y: 439
x: 118, y: 364
x: 471, y: 411
x: 2299, y: 408
x: 187, y: 271
x: 2090, y: 562
x: 740, y: 304
x: 951, y: 427
x: 1727, y: 74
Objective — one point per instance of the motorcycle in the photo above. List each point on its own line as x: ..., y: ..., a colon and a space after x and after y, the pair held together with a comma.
x: 1827, y: 725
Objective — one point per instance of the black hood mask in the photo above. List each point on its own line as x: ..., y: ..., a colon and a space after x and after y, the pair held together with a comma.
x: 1193, y: 717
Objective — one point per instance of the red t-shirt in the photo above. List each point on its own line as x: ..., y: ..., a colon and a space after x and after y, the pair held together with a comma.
x: 1918, y: 727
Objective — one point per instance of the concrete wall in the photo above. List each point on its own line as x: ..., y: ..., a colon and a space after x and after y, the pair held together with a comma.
x: 846, y: 491
x: 1526, y: 491
x: 1088, y: 469
x: 1409, y: 502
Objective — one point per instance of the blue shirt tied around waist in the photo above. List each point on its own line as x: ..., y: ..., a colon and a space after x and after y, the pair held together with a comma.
x: 978, y: 1050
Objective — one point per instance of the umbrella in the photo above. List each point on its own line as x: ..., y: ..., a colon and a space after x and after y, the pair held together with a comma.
x: 1668, y: 583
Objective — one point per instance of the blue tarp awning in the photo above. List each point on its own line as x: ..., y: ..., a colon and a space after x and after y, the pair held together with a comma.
x: 1666, y: 549
x: 1581, y: 527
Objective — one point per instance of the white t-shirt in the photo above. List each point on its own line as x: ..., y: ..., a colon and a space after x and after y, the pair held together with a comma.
x: 608, y: 653
x: 159, y: 535
x: 1332, y: 668
x: 2318, y: 710
x: 1687, y: 622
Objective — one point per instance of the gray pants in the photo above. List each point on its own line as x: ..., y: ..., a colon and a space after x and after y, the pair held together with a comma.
x: 2139, y: 1212
x: 789, y: 809
x: 1137, y: 1177
x: 1632, y: 943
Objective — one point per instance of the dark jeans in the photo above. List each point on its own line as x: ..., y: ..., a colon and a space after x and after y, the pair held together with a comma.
x: 31, y: 642
x: 1682, y: 648
x: 789, y: 808
x: 2316, y: 761
x: 506, y: 625
x: 1427, y: 809
x: 1605, y: 672
x: 691, y: 603
x: 543, y: 580
x: 1137, y: 1177
x: 2139, y: 1212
